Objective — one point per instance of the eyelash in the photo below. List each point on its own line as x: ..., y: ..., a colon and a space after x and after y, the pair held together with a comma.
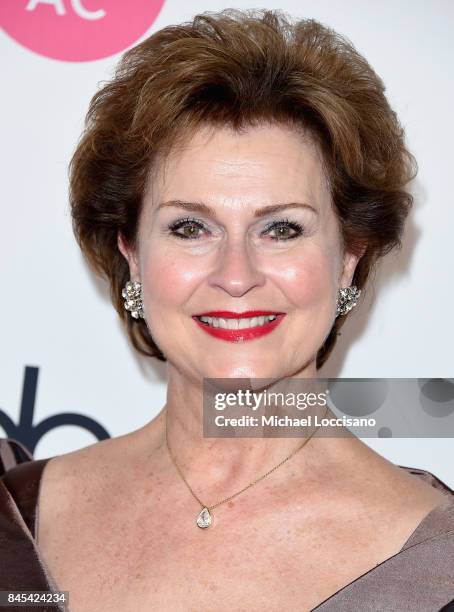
x: 188, y: 221
x: 285, y: 223
x: 173, y: 227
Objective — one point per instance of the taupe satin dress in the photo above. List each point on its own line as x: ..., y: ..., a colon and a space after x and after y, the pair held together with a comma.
x: 419, y: 578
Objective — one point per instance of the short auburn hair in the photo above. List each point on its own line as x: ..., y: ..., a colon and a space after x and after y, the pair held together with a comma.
x: 239, y: 68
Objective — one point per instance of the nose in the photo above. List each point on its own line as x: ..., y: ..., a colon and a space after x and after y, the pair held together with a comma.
x: 236, y: 271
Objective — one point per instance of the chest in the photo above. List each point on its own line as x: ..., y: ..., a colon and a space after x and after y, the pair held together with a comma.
x: 157, y: 558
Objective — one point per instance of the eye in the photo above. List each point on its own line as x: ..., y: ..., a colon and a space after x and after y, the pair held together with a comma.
x: 190, y: 228
x: 284, y: 229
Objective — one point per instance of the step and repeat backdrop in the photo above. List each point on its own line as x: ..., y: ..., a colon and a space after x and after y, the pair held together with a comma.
x: 68, y: 375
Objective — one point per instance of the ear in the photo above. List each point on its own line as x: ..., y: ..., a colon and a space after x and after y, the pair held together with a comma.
x: 349, y: 266
x: 130, y: 257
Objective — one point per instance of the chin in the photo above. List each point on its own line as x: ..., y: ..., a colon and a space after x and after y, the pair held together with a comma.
x: 246, y: 369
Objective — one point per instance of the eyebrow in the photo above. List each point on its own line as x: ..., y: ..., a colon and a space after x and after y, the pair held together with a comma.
x: 204, y: 209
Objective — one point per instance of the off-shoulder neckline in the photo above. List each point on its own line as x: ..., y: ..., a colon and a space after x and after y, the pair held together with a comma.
x: 428, y: 528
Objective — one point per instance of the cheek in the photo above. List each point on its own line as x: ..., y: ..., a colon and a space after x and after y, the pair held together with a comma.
x: 307, y: 280
x: 169, y: 280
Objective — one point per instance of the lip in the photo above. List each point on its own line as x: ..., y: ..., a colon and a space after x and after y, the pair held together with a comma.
x: 239, y: 335
x: 228, y: 314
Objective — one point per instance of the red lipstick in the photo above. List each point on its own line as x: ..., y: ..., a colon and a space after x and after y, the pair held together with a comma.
x: 247, y: 314
x: 239, y: 335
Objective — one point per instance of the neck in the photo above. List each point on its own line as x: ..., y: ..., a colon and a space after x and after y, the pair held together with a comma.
x: 219, y: 466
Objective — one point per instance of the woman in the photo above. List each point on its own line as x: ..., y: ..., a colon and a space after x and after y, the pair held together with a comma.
x: 237, y: 163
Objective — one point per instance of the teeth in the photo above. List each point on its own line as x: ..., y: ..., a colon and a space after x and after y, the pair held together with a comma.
x: 238, y: 323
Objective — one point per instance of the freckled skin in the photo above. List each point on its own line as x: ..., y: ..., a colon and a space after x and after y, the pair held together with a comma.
x: 315, y: 524
x: 233, y: 265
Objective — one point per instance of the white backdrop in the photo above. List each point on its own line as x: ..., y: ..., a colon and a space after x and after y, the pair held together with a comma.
x: 55, y: 316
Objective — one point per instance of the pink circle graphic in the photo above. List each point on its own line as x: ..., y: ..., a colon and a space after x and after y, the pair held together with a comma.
x: 77, y: 30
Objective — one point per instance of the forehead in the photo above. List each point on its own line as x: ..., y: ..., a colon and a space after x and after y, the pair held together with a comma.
x: 257, y: 166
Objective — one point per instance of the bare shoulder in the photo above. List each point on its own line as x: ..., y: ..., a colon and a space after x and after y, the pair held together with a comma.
x: 407, y: 500
x: 89, y: 476
x: 375, y: 505
x: 74, y: 471
x: 411, y: 487
x: 396, y: 491
x: 383, y: 499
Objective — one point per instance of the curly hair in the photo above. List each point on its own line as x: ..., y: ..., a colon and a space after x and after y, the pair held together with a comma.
x: 239, y: 68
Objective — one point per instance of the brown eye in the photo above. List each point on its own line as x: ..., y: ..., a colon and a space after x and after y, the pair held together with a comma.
x: 284, y: 230
x: 189, y: 229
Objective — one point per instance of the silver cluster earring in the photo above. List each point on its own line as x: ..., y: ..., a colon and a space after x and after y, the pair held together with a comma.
x: 346, y: 299
x: 132, y: 293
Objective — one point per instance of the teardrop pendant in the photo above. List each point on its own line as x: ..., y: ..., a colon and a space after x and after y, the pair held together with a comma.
x: 204, y: 518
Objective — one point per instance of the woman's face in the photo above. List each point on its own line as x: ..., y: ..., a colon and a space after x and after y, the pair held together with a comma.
x: 240, y: 223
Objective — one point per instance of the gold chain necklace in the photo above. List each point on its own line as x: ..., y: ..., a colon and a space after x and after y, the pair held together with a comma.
x: 204, y: 518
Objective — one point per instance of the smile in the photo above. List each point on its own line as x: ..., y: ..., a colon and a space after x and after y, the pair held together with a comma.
x: 238, y: 327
